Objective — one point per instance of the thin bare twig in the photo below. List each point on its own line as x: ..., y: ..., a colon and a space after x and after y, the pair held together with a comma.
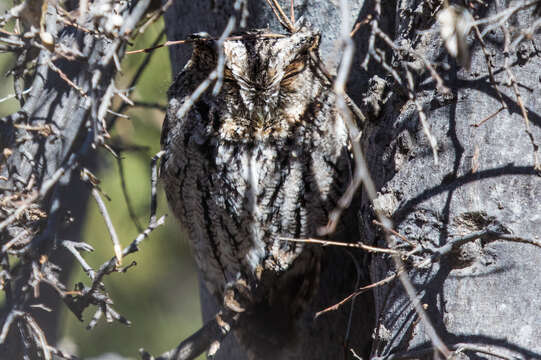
x: 344, y: 104
x: 489, y: 234
x: 38, y: 241
x: 513, y: 81
x: 12, y: 316
x: 34, y: 327
x: 440, y: 86
x: 150, y: 105
x: 155, y: 16
x: 526, y: 34
x: 105, y: 214
x: 150, y: 49
x: 500, y: 18
x: 357, y: 293
x: 501, y: 353
x: 74, y: 248
x: 37, y: 196
x: 362, y: 246
x: 127, y: 198
x: 292, y: 12
x: 12, y: 96
x: 488, y: 61
x: 212, y: 332
x: 61, y: 354
x: 188, y: 41
x: 221, y: 58
x: 64, y: 77
x: 281, y: 16
x: 111, y: 265
x: 394, y: 232
x: 370, y: 190
x: 490, y: 116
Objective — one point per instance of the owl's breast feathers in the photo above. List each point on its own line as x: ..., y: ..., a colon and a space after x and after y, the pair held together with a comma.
x: 237, y: 198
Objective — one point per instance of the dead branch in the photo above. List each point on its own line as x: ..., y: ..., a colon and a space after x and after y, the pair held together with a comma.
x: 208, y: 337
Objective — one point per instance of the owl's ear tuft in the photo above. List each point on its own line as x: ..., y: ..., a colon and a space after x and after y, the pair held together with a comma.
x: 204, y: 47
x: 202, y: 38
x: 309, y: 39
x: 315, y: 42
x: 302, y: 23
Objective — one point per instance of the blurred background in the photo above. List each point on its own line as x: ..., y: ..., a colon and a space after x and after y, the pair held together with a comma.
x: 160, y: 294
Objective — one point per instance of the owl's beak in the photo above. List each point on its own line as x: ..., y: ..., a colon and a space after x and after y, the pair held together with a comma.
x: 259, y: 119
x: 258, y: 102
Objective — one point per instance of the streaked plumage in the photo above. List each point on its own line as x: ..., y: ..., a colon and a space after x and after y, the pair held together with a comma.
x: 265, y: 158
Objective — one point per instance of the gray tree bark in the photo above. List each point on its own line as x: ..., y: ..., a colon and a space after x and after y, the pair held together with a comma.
x: 484, y: 293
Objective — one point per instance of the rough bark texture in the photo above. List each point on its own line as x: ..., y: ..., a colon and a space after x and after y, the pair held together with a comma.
x: 485, y: 294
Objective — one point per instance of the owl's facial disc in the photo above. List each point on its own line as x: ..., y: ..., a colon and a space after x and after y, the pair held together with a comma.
x: 263, y: 70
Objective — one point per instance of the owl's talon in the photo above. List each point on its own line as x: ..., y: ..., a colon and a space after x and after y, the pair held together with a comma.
x: 231, y: 303
x: 237, y: 296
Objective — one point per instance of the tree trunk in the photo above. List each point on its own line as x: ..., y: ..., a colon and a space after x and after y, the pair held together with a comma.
x: 485, y: 292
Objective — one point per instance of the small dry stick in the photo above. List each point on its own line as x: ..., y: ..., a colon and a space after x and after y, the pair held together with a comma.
x: 422, y: 117
x: 212, y: 332
x: 357, y: 293
x: 167, y: 43
x: 64, y: 77
x: 483, y: 349
x: 188, y: 41
x: 41, y: 341
x: 527, y: 34
x: 126, y: 195
x: 105, y: 214
x: 370, y: 190
x: 513, y: 81
x: 337, y: 243
x: 440, y: 86
x: 394, y: 232
x: 488, y: 235
x: 280, y: 14
x: 155, y: 16
x: 490, y: 116
x: 12, y: 316
x: 488, y: 61
x: 292, y: 12
x: 74, y: 248
x: 500, y: 18
x: 45, y: 188
x: 344, y: 104
x: 458, y: 348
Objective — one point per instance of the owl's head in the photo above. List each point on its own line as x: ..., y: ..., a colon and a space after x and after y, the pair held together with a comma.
x: 266, y: 77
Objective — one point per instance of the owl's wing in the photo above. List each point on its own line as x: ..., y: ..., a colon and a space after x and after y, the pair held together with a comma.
x: 186, y: 82
x: 165, y: 130
x: 183, y: 86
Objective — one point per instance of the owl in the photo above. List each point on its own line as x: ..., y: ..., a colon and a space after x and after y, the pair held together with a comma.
x: 264, y: 159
